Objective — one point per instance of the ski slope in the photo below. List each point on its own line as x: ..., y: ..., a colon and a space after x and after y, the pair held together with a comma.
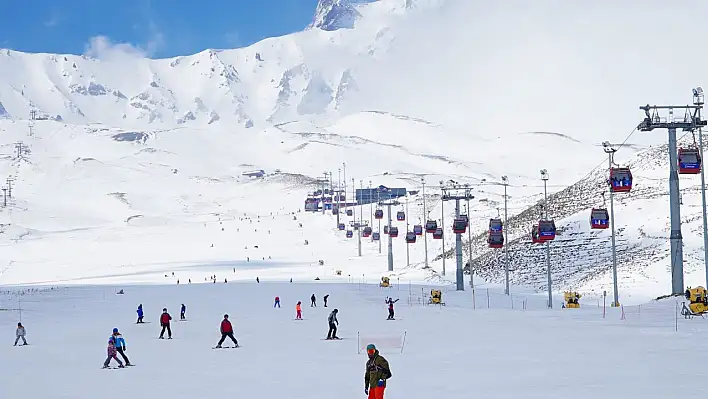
x: 452, y: 351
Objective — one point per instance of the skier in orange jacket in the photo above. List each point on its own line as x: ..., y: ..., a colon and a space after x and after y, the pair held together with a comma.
x: 298, y: 310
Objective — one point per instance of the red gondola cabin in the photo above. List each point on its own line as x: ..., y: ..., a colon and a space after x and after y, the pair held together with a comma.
x: 599, y: 218
x: 459, y: 226
x: 546, y: 230
x: 400, y: 216
x: 689, y: 161
x: 418, y: 229
x: 495, y: 240
x: 431, y: 226
x: 620, y: 180
x: 393, y: 232
x: 410, y: 237
x: 438, y: 234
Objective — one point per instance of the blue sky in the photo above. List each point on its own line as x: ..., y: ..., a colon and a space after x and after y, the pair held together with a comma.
x: 157, y: 28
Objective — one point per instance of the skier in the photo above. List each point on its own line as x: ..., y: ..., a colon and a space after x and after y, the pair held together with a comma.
x: 182, y: 311
x: 165, y: 323
x: 140, y: 313
x: 390, y: 303
x: 20, y: 333
x: 298, y: 311
x: 258, y: 280
x: 313, y: 300
x: 112, y: 354
x: 227, y: 330
x: 333, y: 323
x: 120, y: 345
x: 325, y: 299
x: 277, y: 302
x: 377, y: 372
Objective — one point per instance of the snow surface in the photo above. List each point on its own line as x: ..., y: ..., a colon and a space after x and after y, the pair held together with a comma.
x: 455, y: 351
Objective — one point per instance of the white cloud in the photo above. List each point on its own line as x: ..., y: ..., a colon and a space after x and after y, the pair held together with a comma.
x: 104, y: 48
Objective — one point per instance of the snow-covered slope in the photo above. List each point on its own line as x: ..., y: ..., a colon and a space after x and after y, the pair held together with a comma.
x: 138, y: 154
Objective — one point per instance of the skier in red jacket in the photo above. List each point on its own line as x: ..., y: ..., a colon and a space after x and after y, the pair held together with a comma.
x: 165, y: 323
x: 227, y: 330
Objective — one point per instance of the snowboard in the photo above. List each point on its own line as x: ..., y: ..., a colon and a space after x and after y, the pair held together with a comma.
x: 332, y: 339
x: 145, y: 322
x: 227, y: 347
x: 111, y: 368
x: 299, y: 319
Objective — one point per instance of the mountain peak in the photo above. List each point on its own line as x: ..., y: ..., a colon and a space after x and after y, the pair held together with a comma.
x: 335, y: 14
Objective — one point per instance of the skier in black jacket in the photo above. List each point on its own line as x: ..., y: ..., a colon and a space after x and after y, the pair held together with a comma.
x: 333, y: 323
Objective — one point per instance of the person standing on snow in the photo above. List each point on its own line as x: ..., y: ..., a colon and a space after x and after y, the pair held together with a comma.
x: 325, y: 299
x: 390, y: 303
x: 140, y: 313
x: 313, y: 300
x: 298, y: 311
x: 165, y: 323
x: 120, y: 345
x: 227, y: 330
x: 333, y: 323
x: 112, y: 354
x: 20, y: 333
x: 182, y: 311
x: 277, y: 302
x: 377, y: 372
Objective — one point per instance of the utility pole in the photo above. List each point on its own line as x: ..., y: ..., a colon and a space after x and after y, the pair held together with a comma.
x: 378, y: 199
x: 339, y: 193
x: 505, y: 182
x: 19, y: 146
x: 408, y: 250
x: 690, y: 122
x: 456, y: 192
x: 371, y: 208
x: 353, y: 210
x: 344, y: 167
x: 9, y: 186
x: 324, y: 186
x: 4, y: 195
x: 358, y: 226
x: 389, y: 203
x: 425, y: 216
x: 610, y: 151
x: 469, y: 242
x: 544, y: 177
x: 442, y: 222
x: 698, y: 100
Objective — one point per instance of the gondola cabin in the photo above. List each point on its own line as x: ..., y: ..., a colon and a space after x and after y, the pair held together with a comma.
x: 431, y: 226
x: 418, y: 230
x: 546, y: 230
x: 400, y: 216
x: 689, y: 161
x: 366, y: 232
x: 350, y: 234
x: 534, y: 235
x: 393, y: 232
x: 466, y: 219
x: 376, y: 236
x: 459, y: 226
x: 495, y: 239
x: 495, y: 225
x: 378, y: 214
x: 335, y: 210
x: 349, y: 212
x: 410, y: 237
x: 599, y: 218
x: 438, y: 234
x: 620, y: 180
x: 385, y: 229
x: 341, y: 226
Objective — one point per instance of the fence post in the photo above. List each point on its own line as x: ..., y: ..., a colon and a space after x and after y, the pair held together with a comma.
x: 511, y: 297
x: 622, y: 309
x: 403, y: 345
x: 676, y: 312
x: 487, y: 298
x: 358, y: 344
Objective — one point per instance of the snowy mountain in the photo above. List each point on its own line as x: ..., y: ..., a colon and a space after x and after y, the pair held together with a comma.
x: 127, y: 152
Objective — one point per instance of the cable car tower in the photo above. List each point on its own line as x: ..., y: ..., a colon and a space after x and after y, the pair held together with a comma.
x: 691, y: 121
x: 389, y: 203
x: 456, y: 192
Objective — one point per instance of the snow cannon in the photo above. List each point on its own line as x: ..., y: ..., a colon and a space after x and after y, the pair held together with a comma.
x: 571, y: 299
x: 698, y: 298
x: 436, y: 298
x: 385, y: 282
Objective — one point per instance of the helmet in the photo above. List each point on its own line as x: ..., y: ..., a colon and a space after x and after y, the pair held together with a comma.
x: 370, y: 347
x: 115, y: 330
